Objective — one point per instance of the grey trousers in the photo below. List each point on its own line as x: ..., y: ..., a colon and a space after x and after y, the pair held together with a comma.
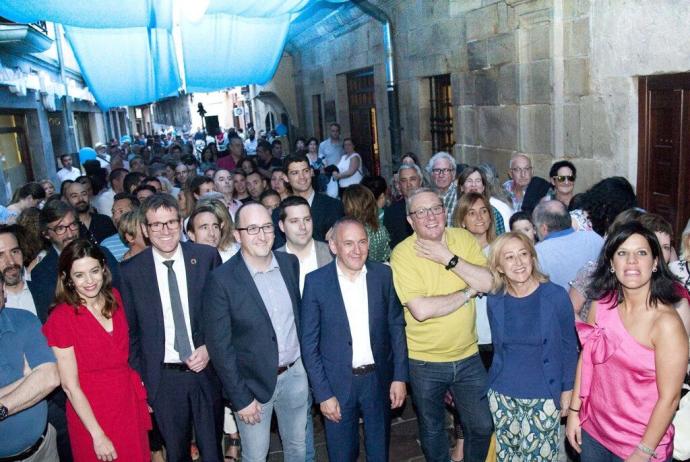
x: 47, y: 452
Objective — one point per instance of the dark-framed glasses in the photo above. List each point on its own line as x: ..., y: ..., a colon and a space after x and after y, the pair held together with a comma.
x: 423, y: 213
x: 441, y: 171
x: 253, y: 229
x: 62, y: 229
x: 172, y: 225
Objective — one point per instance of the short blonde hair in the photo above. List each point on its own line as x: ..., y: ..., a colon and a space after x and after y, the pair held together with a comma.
x: 500, y: 280
x: 130, y: 224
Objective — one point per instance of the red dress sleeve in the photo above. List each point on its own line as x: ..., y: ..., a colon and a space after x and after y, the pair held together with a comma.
x: 59, y: 328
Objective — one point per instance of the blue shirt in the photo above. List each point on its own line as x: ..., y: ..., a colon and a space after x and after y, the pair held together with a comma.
x: 562, y: 253
x: 116, y: 246
x: 522, y: 375
x: 21, y: 337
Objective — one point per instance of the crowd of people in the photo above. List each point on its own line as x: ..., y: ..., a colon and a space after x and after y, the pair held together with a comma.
x: 173, y: 293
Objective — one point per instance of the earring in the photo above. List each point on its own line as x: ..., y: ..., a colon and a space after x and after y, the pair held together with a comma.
x: 612, y: 270
x: 654, y: 270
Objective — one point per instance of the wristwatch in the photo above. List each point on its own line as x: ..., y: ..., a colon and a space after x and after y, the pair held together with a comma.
x: 4, y: 412
x: 452, y: 263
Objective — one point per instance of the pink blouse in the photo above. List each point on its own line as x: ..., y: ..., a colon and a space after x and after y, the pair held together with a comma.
x: 618, y: 385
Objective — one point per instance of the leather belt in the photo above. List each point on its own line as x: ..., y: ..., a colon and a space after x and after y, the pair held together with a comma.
x: 363, y: 370
x: 27, y: 452
x: 182, y: 367
x: 282, y: 369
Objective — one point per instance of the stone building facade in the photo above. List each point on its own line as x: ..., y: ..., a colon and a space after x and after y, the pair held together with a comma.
x: 550, y: 78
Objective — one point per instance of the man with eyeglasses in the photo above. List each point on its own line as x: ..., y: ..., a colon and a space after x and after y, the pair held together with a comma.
x: 162, y: 291
x: 524, y: 189
x: 59, y: 225
x: 437, y: 271
x: 251, y: 322
x: 442, y: 169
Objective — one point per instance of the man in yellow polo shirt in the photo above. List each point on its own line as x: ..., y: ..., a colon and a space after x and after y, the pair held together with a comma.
x: 437, y: 271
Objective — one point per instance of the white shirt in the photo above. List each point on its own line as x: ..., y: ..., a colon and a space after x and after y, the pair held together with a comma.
x: 171, y: 355
x: 72, y: 174
x: 227, y: 254
x: 103, y: 202
x: 23, y: 300
x: 357, y: 309
x: 306, y: 265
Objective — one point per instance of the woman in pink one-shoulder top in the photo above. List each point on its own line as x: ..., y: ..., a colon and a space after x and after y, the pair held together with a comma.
x: 634, y: 355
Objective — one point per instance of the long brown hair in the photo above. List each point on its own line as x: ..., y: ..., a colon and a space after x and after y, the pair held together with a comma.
x: 65, y: 291
x: 359, y: 202
x: 466, y: 201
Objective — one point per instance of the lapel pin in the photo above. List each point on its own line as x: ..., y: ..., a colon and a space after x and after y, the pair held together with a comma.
x: 193, y: 261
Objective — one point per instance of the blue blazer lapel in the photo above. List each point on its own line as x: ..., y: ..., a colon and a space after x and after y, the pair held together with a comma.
x: 191, y: 272
x: 150, y: 289
x: 338, y: 305
x: 372, y: 302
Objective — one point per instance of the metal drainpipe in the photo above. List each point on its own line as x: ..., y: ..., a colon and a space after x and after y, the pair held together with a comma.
x: 391, y: 86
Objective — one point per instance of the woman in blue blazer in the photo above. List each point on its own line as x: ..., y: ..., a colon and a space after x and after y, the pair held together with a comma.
x: 535, y: 353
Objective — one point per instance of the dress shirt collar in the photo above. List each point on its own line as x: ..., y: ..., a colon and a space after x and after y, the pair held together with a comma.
x: 310, y: 199
x: 341, y: 273
x: 253, y: 271
x: 158, y: 259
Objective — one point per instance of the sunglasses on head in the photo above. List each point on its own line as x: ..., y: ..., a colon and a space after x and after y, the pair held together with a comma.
x: 563, y: 178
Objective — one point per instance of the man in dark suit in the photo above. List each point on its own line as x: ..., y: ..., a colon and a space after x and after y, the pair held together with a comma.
x: 395, y: 215
x: 251, y: 322
x: 324, y: 209
x: 162, y: 292
x: 353, y: 345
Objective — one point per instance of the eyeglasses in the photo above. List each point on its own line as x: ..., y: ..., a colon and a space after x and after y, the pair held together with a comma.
x: 62, y: 229
x: 521, y: 170
x: 441, y: 171
x: 423, y: 213
x: 253, y: 230
x: 564, y: 178
x: 172, y: 225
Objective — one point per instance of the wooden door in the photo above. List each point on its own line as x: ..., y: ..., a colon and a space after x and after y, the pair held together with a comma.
x: 663, y: 185
x: 362, y: 106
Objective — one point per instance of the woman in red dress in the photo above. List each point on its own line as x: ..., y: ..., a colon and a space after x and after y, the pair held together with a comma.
x: 107, y: 414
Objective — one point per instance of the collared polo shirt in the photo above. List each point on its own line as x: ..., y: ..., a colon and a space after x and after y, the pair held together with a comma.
x: 276, y: 298
x: 20, y: 338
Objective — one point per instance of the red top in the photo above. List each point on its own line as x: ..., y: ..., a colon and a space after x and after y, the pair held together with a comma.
x: 114, y: 390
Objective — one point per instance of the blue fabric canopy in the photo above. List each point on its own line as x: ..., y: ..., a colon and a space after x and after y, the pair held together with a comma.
x: 127, y: 52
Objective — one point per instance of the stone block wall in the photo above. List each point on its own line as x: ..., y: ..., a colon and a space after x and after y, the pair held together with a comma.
x: 550, y: 78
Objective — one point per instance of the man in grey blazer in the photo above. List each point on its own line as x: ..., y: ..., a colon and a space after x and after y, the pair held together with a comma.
x: 295, y: 221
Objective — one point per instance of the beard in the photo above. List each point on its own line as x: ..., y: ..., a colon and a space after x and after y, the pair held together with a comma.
x: 12, y: 275
x: 82, y: 207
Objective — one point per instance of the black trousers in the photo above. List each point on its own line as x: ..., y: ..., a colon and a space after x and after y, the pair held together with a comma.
x: 187, y: 401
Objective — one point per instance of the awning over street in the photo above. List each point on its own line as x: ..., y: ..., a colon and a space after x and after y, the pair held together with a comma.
x: 134, y: 52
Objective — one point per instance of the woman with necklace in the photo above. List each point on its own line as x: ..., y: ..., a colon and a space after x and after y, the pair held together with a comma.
x: 107, y: 413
